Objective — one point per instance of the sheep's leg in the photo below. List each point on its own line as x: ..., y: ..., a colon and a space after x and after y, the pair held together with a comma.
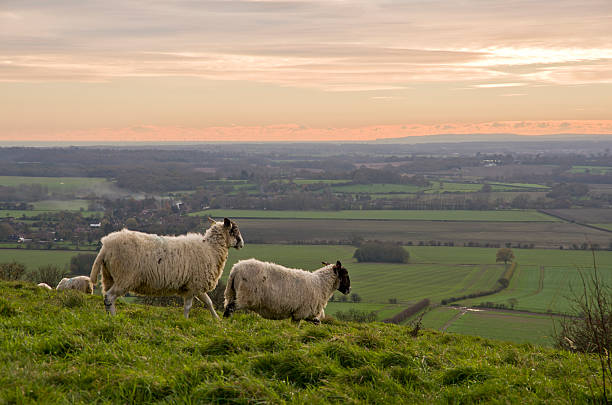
x: 109, y: 299
x: 209, y: 304
x: 187, y: 303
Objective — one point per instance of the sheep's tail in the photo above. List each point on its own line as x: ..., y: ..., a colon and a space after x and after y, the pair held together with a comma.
x: 230, y: 296
x: 97, y: 266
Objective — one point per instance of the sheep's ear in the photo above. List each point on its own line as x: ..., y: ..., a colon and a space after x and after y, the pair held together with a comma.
x: 212, y: 221
x: 325, y: 263
x: 227, y: 223
x: 338, y: 264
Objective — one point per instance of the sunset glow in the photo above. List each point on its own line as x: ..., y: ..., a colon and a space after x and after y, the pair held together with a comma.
x: 235, y: 70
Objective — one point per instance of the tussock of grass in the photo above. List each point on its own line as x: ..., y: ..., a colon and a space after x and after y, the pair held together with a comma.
x: 62, y: 348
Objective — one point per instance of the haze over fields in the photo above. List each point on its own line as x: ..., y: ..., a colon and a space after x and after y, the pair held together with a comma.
x: 269, y: 70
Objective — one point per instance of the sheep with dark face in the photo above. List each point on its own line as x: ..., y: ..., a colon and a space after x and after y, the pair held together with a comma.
x: 278, y: 292
x: 188, y: 265
x: 79, y: 283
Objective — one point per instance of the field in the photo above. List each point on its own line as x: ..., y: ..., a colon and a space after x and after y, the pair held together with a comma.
x: 153, y: 355
x: 520, y: 328
x: 397, y: 215
x: 435, y: 273
x: 35, y: 258
x: 591, y: 169
x: 586, y: 215
x: 57, y: 183
x: 61, y: 205
x: 35, y: 213
x: 540, y: 234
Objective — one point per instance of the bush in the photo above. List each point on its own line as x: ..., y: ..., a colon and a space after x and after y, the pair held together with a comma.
x: 12, y: 271
x: 49, y: 274
x: 381, y: 252
x: 81, y: 264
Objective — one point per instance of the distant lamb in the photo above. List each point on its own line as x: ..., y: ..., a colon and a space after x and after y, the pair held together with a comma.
x: 147, y: 264
x: 45, y: 286
x: 79, y: 283
x: 278, y: 292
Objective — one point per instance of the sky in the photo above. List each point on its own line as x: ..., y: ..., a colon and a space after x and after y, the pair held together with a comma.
x: 300, y: 70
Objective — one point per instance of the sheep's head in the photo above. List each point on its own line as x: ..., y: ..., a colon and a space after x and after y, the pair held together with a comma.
x: 234, y: 238
x: 344, y: 282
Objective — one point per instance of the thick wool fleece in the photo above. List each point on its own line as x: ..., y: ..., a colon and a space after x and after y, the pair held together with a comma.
x: 278, y: 292
x: 149, y: 264
x: 79, y: 283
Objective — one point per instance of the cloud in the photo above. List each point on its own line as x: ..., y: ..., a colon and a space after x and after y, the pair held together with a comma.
x: 296, y: 132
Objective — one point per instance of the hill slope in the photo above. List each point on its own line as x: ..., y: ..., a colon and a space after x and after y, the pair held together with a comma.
x: 62, y: 348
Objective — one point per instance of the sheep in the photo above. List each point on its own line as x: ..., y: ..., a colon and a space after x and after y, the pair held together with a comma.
x: 187, y: 265
x: 79, y: 283
x: 278, y: 292
x: 45, y: 286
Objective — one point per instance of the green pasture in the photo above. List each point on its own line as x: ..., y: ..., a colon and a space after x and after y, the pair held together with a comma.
x: 60, y: 205
x: 56, y: 183
x: 399, y: 215
x: 36, y: 258
x: 604, y: 226
x: 438, y: 317
x: 36, y: 213
x: 591, y: 169
x: 513, y: 327
x: 377, y: 188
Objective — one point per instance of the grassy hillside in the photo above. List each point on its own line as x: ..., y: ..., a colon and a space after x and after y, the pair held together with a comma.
x: 62, y: 348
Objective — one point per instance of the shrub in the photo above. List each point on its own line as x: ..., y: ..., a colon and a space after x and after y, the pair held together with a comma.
x: 81, y: 263
x: 49, y: 274
x: 381, y: 252
x: 12, y: 271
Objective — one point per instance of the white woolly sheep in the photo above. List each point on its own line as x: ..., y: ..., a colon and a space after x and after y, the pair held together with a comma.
x: 45, y: 286
x: 79, y: 283
x: 278, y: 292
x: 187, y: 265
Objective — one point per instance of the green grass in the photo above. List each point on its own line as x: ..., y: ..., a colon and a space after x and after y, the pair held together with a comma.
x: 60, y: 205
x: 152, y: 355
x: 513, y: 327
x: 438, y: 317
x: 57, y: 183
x: 34, y: 213
x: 377, y: 188
x: 35, y: 258
x: 406, y: 215
x: 604, y: 226
x: 591, y: 169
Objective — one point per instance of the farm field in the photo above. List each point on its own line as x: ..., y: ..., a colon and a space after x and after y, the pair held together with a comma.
x: 57, y: 183
x: 585, y: 215
x: 438, y: 317
x: 60, y: 205
x: 398, y: 215
x: 540, y: 234
x: 35, y: 258
x: 35, y: 213
x: 504, y: 326
x: 542, y: 288
x: 591, y: 169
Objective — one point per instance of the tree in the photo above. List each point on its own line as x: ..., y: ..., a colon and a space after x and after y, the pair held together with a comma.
x: 355, y: 297
x: 504, y: 255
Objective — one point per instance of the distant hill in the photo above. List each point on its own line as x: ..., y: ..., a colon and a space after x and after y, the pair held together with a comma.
x: 456, y: 138
x: 60, y: 347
